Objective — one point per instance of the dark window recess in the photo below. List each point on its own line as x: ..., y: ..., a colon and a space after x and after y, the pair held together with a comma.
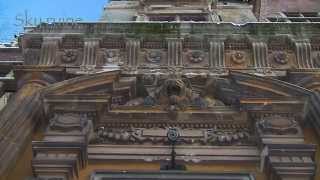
x: 196, y: 18
x: 193, y: 45
x: 236, y: 45
x: 72, y: 42
x: 279, y: 44
x: 35, y: 42
x: 162, y: 18
x: 113, y: 43
x: 154, y: 44
x: 296, y: 17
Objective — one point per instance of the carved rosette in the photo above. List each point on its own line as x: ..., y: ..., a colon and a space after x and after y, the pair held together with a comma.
x: 195, y: 56
x: 153, y: 56
x: 280, y: 57
x: 69, y: 56
x: 238, y: 57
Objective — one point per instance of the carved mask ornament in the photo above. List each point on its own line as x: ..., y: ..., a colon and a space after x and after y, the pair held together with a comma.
x: 237, y: 57
x: 195, y: 57
x: 153, y: 57
x: 280, y: 58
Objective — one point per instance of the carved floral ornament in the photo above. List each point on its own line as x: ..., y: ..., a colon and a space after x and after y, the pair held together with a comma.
x: 280, y: 57
x: 69, y: 55
x: 195, y: 56
x: 238, y: 57
x: 153, y: 56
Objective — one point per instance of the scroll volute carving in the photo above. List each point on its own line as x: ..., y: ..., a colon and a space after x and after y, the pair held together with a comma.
x: 65, y: 122
x: 278, y: 125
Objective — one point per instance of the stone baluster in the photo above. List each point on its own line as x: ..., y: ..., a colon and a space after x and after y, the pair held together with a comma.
x: 91, y: 47
x: 133, y: 49
x: 260, y: 54
x: 303, y: 54
x: 174, y: 51
x: 49, y: 48
x: 216, y: 53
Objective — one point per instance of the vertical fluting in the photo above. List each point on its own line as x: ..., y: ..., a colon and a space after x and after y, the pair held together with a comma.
x: 133, y: 49
x: 260, y: 54
x: 303, y: 54
x: 48, y: 52
x: 91, y: 47
x: 175, y: 52
x: 216, y: 53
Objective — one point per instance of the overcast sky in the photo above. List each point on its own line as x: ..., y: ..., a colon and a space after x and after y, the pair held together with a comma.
x: 14, y: 14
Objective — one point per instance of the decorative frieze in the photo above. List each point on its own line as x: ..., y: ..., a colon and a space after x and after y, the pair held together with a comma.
x: 158, y: 135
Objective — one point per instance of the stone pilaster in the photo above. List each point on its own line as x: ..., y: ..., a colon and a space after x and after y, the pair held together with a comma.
x: 91, y: 47
x: 303, y: 54
x: 260, y: 53
x: 49, y: 48
x: 216, y: 53
x: 133, y: 49
x: 174, y: 51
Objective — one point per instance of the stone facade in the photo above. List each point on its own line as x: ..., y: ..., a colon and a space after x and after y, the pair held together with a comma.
x: 105, y: 95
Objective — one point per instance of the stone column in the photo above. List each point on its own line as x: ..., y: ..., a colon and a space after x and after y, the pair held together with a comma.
x: 174, y: 51
x: 49, y: 49
x: 17, y: 121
